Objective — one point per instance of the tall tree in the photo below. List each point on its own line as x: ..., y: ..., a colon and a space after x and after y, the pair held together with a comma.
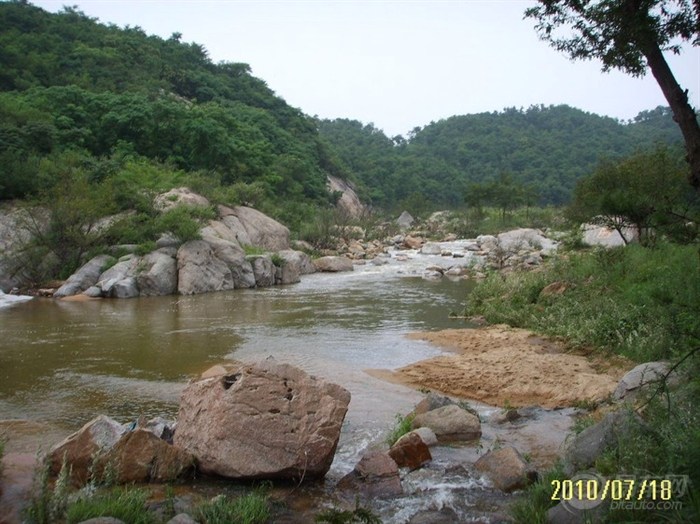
x: 630, y: 35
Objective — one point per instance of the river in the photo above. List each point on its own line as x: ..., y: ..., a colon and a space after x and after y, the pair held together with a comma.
x: 62, y: 363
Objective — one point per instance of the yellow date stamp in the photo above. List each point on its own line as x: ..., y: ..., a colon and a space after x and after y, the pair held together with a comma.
x: 587, y: 490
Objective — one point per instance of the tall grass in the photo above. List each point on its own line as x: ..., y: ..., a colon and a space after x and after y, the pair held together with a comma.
x: 638, y: 302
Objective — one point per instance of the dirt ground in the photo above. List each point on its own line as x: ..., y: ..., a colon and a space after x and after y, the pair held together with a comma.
x: 500, y: 365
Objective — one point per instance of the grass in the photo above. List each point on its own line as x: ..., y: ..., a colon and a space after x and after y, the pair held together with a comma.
x: 403, y: 426
x: 638, y: 302
x: 253, y: 508
x: 126, y: 504
x: 633, y: 301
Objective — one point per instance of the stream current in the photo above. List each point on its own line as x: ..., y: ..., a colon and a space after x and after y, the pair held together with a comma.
x: 63, y: 363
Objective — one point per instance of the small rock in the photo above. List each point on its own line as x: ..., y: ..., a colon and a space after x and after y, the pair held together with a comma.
x: 450, y: 423
x: 410, y: 451
x: 182, y: 518
x: 376, y: 475
x: 506, y: 468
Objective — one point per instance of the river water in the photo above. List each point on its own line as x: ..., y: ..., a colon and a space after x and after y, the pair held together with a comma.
x: 62, y: 363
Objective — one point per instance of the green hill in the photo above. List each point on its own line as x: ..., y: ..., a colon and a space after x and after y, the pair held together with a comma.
x: 546, y: 148
x: 142, y: 112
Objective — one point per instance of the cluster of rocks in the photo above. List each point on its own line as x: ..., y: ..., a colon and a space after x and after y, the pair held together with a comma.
x: 216, y: 262
x: 436, y: 421
x: 240, y: 421
x: 615, y: 429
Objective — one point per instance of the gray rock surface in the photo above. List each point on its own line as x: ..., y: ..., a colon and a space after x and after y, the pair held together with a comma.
x: 263, y: 269
x: 333, y: 264
x: 85, y: 277
x: 649, y: 373
x: 450, y: 423
x: 587, y: 446
x: 349, y: 203
x: 200, y: 270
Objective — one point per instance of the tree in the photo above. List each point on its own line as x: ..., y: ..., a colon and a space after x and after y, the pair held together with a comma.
x: 630, y: 35
x: 645, y: 192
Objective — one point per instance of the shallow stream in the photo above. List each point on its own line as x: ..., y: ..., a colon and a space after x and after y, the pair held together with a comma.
x: 62, y: 363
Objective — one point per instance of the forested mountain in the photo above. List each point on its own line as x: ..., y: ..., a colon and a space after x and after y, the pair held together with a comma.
x: 545, y: 148
x: 109, y: 103
x: 131, y: 113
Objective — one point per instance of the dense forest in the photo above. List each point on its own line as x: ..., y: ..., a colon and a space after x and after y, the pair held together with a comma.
x: 544, y: 148
x: 139, y: 112
x: 128, y: 113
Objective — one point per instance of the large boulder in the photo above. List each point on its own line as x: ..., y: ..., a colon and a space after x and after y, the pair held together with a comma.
x: 141, y: 456
x: 231, y: 254
x: 85, y: 277
x: 649, y: 373
x: 263, y: 269
x: 349, y: 203
x: 80, y: 449
x: 333, y: 264
x: 255, y: 228
x: 584, y: 449
x: 180, y: 196
x: 506, y: 468
x: 156, y: 274
x: 200, y: 270
x: 298, y: 259
x: 376, y: 475
x: 450, y: 423
x: 262, y: 421
x: 405, y: 220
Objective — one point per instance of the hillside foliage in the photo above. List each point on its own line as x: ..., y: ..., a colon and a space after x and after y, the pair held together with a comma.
x: 544, y: 149
x: 141, y: 112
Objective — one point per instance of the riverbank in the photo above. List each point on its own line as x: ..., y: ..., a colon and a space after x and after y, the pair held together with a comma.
x: 504, y: 366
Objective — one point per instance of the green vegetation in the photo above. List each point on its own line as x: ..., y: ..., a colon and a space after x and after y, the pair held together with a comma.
x: 647, y: 193
x: 543, y: 150
x: 96, y: 120
x: 634, y: 301
x: 253, y: 508
x: 630, y: 36
x: 126, y: 504
x: 403, y: 426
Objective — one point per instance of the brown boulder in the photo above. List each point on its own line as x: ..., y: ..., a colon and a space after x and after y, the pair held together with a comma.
x: 506, y: 468
x: 80, y: 448
x: 410, y: 452
x: 267, y: 420
x: 376, y: 475
x: 140, y: 456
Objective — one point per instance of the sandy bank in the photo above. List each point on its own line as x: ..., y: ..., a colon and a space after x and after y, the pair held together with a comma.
x: 500, y: 365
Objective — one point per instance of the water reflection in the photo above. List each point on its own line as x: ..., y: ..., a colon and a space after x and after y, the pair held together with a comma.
x: 65, y: 362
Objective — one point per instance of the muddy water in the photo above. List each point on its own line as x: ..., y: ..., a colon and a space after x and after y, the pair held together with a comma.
x: 62, y: 363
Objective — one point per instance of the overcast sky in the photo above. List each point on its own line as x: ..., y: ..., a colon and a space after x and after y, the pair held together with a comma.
x: 398, y: 64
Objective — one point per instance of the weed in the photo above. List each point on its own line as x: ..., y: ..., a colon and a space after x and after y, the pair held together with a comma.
x: 126, y: 504
x: 358, y: 515
x: 253, y: 508
x: 403, y: 426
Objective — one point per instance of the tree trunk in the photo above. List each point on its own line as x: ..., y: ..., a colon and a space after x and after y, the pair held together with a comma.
x: 683, y: 113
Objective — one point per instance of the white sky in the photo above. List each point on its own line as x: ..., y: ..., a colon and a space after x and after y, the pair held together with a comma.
x: 398, y: 64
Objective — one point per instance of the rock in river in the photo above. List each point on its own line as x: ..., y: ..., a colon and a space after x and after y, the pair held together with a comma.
x: 263, y: 421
